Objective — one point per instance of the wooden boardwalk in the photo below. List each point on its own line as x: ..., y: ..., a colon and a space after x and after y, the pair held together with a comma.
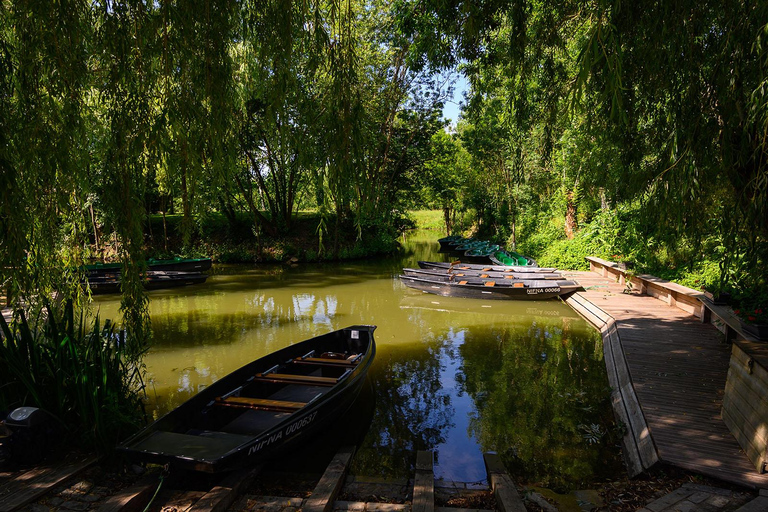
x: 678, y: 368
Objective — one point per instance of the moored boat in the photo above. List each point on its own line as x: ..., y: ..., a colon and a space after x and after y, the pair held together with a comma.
x: 494, y: 288
x: 457, y: 274
x: 510, y: 258
x: 263, y: 407
x: 174, y: 264
x: 152, y: 280
x: 480, y: 254
x: 487, y: 268
x: 447, y: 243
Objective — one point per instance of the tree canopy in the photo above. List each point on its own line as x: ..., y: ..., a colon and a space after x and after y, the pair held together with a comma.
x: 662, y: 104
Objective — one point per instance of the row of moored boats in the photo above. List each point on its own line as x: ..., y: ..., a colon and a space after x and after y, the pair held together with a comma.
x: 487, y: 271
x: 472, y: 250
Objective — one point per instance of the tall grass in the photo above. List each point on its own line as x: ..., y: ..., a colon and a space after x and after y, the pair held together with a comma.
x: 428, y: 219
x: 81, y: 374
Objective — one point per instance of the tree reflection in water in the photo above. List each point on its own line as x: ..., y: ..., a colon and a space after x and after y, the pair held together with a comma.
x: 542, y: 402
x: 413, y: 411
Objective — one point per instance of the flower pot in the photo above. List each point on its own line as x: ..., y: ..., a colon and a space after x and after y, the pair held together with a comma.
x: 759, y: 331
x: 721, y: 298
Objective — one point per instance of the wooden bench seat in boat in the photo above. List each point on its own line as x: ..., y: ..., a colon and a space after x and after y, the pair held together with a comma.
x: 260, y: 403
x: 296, y: 379
x: 329, y: 361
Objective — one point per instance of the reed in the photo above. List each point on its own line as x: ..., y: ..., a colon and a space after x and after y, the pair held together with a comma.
x: 80, y: 372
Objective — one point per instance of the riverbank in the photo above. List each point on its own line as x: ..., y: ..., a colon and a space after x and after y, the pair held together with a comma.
x: 311, y: 238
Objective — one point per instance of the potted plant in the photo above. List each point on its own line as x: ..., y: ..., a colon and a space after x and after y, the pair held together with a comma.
x: 754, y: 320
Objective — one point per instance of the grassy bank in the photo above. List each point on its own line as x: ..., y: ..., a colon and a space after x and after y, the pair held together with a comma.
x: 311, y: 237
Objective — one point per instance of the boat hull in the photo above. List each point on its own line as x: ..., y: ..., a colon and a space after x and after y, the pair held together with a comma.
x: 175, y: 265
x: 458, y: 275
x: 458, y: 266
x: 529, y: 290
x: 153, y: 280
x: 202, y: 435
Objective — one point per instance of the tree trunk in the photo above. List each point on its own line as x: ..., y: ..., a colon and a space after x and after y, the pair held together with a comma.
x: 96, y: 235
x: 447, y: 217
x: 603, y: 200
x: 571, y: 222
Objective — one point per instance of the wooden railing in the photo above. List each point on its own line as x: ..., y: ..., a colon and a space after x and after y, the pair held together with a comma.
x: 745, y: 408
x: 673, y: 294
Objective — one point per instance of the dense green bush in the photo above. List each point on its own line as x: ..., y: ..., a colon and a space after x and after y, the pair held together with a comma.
x: 84, y: 375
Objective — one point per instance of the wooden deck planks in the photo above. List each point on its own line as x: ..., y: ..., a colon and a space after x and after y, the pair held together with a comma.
x: 35, y: 483
x: 678, y: 368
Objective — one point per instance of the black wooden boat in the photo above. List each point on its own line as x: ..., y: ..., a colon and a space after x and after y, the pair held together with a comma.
x: 152, y: 280
x: 458, y: 275
x: 449, y: 242
x: 260, y: 409
x: 174, y: 264
x: 494, y: 288
x: 458, y: 266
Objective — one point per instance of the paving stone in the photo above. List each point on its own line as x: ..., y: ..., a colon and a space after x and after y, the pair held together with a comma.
x: 83, y: 486
x: 718, y: 501
x: 386, y: 507
x: 77, y: 506
x: 669, y: 499
x: 707, y: 488
x: 759, y: 504
x: 763, y: 492
x: 36, y: 507
x: 55, y: 501
x: 92, y: 498
x: 698, y: 497
x: 349, y: 505
x: 685, y: 506
x: 588, y: 499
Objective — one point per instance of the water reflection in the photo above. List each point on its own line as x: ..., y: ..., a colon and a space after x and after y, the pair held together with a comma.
x: 413, y: 411
x: 456, y: 376
x: 542, y: 401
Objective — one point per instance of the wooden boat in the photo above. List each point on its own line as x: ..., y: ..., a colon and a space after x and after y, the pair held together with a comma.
x: 462, y: 248
x: 510, y: 258
x: 494, y: 288
x: 153, y: 280
x: 481, y: 255
x: 458, y: 275
x: 459, y: 266
x: 447, y: 243
x: 265, y: 406
x: 175, y: 264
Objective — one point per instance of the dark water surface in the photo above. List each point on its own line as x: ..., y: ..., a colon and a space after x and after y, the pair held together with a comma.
x: 458, y: 376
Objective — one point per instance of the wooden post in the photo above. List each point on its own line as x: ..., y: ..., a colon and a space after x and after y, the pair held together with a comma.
x: 133, y: 498
x: 221, y: 497
x: 424, y: 483
x: 507, y: 497
x: 328, y: 487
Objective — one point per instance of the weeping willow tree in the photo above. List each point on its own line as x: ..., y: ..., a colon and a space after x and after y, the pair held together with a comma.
x: 211, y: 104
x: 660, y: 103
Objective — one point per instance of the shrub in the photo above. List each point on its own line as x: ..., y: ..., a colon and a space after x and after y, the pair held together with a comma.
x: 83, y: 375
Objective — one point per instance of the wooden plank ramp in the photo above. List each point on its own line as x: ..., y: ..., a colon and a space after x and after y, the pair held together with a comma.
x: 33, y: 484
x: 677, y: 367
x: 504, y: 489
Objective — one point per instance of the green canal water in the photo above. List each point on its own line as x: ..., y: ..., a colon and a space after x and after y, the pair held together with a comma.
x: 458, y: 376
